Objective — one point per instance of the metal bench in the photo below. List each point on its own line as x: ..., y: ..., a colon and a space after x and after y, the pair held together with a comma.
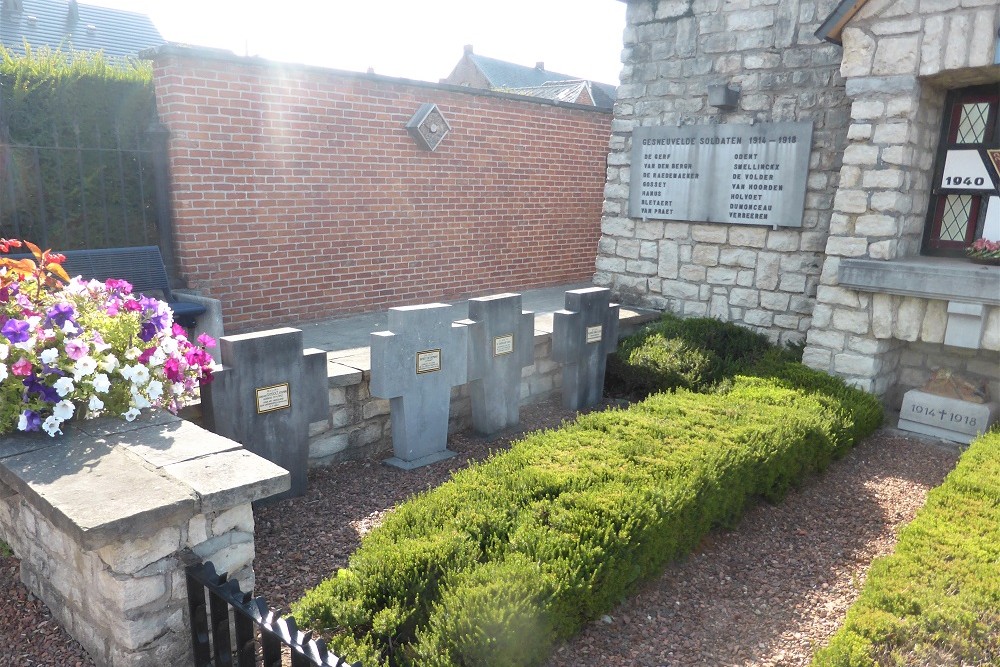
x: 142, y: 266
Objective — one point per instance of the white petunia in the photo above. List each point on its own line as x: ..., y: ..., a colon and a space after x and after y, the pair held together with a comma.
x: 101, y: 383
x: 154, y: 389
x: 109, y: 363
x: 168, y: 345
x: 22, y: 422
x: 84, y: 366
x: 157, y: 358
x: 140, y: 401
x: 3, y: 372
x: 64, y: 387
x: 51, y: 425
x: 130, y: 415
x: 140, y: 374
x: 49, y: 355
x: 95, y: 404
x: 4, y: 351
x: 63, y: 410
x: 70, y: 329
x: 132, y: 353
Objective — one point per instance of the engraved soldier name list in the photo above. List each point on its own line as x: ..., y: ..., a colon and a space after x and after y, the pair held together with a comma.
x: 740, y: 174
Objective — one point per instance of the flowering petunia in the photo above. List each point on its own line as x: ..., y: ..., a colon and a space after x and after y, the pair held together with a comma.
x: 49, y: 356
x: 95, y: 404
x: 206, y: 340
x: 29, y: 421
x: 64, y: 387
x: 76, y: 348
x: 3, y: 372
x: 21, y: 367
x: 60, y: 313
x: 4, y: 351
x: 84, y: 366
x: 130, y: 414
x: 63, y: 410
x: 101, y: 383
x: 16, y: 331
x: 51, y: 426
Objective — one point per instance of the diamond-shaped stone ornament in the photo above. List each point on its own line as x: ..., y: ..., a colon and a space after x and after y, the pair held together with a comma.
x: 428, y: 126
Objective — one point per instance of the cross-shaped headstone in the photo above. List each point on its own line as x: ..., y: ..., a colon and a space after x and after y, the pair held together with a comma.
x: 583, y: 336
x: 501, y: 343
x: 265, y: 396
x: 415, y: 364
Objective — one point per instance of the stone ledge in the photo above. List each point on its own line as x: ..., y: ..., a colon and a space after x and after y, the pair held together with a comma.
x: 107, y: 479
x: 926, y: 277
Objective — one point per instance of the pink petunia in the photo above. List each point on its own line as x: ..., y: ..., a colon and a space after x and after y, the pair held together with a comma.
x: 75, y: 349
x: 21, y: 367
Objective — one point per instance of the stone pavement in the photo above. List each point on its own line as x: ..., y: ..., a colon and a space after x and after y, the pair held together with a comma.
x: 346, y: 339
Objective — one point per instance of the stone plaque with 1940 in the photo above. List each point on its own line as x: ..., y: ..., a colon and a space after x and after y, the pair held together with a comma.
x: 737, y: 174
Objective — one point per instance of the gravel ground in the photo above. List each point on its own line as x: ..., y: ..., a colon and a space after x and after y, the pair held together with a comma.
x: 767, y: 593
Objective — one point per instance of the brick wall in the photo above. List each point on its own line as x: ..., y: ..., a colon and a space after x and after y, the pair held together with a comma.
x: 299, y: 195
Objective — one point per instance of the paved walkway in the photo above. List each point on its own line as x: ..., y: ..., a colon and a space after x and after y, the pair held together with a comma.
x: 347, y: 339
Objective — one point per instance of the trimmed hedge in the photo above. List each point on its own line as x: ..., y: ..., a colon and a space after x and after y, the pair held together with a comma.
x: 936, y: 599
x: 516, y: 552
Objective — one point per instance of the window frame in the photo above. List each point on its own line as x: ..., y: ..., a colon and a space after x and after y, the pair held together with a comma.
x: 931, y: 244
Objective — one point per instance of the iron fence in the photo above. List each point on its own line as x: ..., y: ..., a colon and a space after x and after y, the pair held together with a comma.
x: 235, y: 628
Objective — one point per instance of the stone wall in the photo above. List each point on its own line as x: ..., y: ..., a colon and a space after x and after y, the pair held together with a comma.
x: 899, y: 59
x: 108, y: 562
x: 298, y: 193
x: 757, y: 276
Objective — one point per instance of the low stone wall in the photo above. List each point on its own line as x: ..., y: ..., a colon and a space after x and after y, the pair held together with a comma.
x: 109, y: 561
x: 359, y: 425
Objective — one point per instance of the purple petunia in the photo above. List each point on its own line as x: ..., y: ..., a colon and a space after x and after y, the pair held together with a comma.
x: 61, y: 313
x: 29, y: 421
x: 16, y: 331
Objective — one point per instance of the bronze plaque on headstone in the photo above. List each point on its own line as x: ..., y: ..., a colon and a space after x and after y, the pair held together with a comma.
x: 738, y: 174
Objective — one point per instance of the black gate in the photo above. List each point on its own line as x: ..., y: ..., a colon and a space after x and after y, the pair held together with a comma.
x: 258, y: 630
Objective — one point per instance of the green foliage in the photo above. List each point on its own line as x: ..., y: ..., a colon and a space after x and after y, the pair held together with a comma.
x: 63, y: 112
x: 5, y: 550
x: 526, y: 547
x: 936, y: 599
x: 691, y: 353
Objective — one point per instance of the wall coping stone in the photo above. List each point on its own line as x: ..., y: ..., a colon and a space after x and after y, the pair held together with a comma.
x: 938, y: 278
x: 106, y: 479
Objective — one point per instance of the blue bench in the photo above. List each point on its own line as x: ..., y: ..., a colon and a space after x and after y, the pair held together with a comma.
x: 142, y: 266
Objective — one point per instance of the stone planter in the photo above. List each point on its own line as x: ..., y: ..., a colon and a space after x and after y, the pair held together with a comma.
x: 106, y: 517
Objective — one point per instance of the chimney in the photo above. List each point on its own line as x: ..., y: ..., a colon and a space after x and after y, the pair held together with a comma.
x: 73, y: 15
x: 540, y: 65
x: 11, y: 6
x: 468, y: 49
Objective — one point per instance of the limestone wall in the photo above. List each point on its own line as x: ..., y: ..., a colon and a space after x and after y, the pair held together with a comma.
x: 899, y: 60
x: 756, y: 276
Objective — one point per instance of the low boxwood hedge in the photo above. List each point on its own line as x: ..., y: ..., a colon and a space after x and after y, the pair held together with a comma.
x: 936, y: 599
x: 518, y: 551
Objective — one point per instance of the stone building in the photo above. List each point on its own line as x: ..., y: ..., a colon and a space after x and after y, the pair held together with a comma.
x: 902, y: 98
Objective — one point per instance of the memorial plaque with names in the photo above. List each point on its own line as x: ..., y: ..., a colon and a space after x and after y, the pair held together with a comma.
x: 503, y: 345
x: 276, y: 397
x: 737, y: 174
x: 594, y: 334
x: 429, y: 361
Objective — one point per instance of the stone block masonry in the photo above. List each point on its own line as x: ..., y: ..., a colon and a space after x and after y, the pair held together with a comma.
x: 298, y: 193
x: 756, y: 276
x: 105, y: 519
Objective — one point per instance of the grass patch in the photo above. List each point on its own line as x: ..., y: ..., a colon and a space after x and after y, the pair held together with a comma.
x: 936, y: 599
x: 494, y: 566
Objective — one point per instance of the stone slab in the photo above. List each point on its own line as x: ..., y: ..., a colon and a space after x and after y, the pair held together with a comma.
x: 403, y: 464
x: 948, y: 418
x: 927, y: 277
x: 230, y: 478
x: 172, y: 442
x: 339, y: 375
x: 91, y: 490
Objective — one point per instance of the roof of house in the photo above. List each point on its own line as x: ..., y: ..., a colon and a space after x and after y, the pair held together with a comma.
x: 68, y: 26
x: 559, y: 91
x: 508, y: 76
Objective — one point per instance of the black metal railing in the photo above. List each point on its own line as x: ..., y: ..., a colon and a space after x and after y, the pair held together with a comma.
x: 235, y: 628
